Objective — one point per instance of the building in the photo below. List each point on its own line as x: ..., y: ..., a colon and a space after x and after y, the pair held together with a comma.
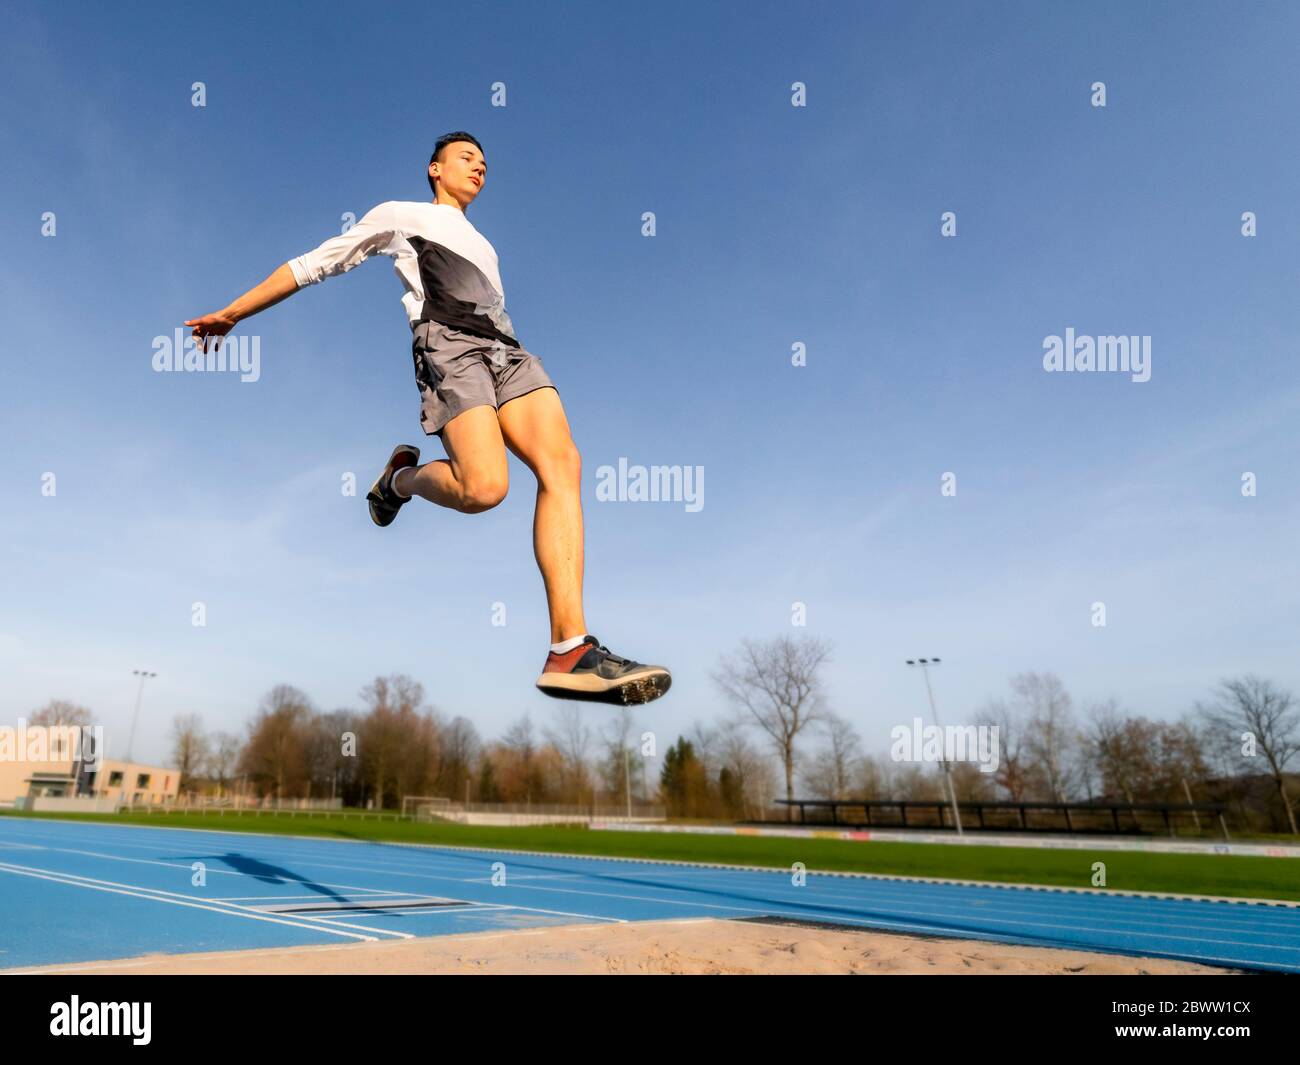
x: 24, y: 779
x: 126, y: 782
x: 130, y: 782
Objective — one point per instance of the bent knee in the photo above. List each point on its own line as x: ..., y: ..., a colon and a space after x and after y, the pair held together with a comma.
x: 483, y: 493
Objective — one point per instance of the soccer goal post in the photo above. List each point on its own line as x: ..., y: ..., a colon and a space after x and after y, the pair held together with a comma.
x: 424, y: 807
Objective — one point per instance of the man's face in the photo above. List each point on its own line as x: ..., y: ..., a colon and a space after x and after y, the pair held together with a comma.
x: 461, y: 171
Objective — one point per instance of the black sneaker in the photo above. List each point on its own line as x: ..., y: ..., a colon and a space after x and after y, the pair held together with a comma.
x: 384, y: 502
x: 594, y: 673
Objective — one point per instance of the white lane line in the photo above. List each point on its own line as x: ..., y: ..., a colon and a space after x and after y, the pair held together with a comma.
x: 681, y: 864
x: 994, y: 884
x: 324, y: 865
x: 968, y: 933
x: 270, y: 849
x: 981, y: 934
x: 124, y: 889
x: 563, y: 913
x: 932, y: 913
x: 234, y: 872
x: 1109, y: 912
x: 525, y: 876
x: 359, y: 927
x: 903, y: 914
x: 228, y: 907
x: 1001, y: 902
x: 1055, y: 898
x: 469, y: 908
x: 368, y: 892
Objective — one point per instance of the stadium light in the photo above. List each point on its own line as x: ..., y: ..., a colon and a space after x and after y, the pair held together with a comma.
x: 144, y: 675
x: 925, y: 663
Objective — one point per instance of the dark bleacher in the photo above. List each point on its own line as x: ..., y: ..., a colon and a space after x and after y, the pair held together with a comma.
x: 1109, y: 818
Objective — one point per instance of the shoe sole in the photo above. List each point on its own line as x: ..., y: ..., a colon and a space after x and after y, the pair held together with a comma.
x: 635, y: 690
x: 376, y: 495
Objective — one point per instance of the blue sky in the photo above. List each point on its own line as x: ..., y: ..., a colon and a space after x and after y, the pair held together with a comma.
x: 775, y: 225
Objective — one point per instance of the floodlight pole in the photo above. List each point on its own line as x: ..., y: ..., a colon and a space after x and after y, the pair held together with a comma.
x: 143, y: 674
x: 627, y: 778
x: 925, y: 663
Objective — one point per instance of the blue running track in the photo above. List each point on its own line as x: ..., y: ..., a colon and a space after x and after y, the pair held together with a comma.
x: 80, y: 891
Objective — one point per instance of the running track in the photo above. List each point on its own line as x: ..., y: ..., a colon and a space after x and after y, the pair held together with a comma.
x: 75, y: 892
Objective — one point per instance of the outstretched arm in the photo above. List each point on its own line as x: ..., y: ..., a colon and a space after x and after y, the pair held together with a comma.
x: 372, y: 234
x: 280, y: 285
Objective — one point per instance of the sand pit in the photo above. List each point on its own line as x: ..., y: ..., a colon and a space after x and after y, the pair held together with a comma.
x: 701, y: 946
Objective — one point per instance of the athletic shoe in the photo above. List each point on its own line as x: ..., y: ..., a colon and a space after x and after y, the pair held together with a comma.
x: 384, y: 502
x: 594, y: 673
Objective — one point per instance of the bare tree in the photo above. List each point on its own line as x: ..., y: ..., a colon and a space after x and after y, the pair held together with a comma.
x: 776, y: 682
x: 521, y: 741
x: 913, y: 784
x: 60, y: 713
x: 1180, y: 759
x: 621, y: 757
x: 971, y: 783
x: 223, y: 757
x: 397, y: 739
x: 832, y: 769
x: 1050, y: 735
x: 190, y: 748
x: 571, y: 736
x: 62, y: 722
x: 1253, y: 710
x: 273, y: 755
x: 750, y: 777
x: 331, y: 769
x: 459, y: 744
x: 1118, y: 758
x: 1012, y: 774
x: 874, y: 777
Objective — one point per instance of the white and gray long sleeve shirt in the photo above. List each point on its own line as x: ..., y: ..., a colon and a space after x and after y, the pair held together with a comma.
x: 448, y: 268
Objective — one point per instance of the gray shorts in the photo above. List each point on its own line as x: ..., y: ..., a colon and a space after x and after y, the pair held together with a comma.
x: 457, y: 371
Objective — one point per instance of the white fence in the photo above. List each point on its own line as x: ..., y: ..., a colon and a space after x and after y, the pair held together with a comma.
x: 69, y: 805
x: 519, y: 813
x: 241, y: 802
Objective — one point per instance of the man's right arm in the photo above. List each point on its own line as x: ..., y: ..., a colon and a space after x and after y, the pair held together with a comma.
x: 280, y: 285
x: 372, y: 234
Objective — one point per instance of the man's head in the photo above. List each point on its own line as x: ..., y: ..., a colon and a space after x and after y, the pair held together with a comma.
x: 457, y: 169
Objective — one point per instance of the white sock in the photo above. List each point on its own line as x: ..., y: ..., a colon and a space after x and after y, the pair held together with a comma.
x: 393, y: 483
x: 568, y: 645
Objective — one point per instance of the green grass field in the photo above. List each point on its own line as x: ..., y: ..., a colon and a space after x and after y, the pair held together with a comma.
x: 1232, y: 875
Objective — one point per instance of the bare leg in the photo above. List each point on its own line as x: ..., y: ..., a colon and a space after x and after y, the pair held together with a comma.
x: 535, y: 429
x: 474, y: 477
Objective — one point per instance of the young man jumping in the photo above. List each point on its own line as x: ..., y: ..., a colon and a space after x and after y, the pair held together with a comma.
x: 480, y: 392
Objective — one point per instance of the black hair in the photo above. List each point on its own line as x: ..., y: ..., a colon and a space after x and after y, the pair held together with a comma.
x: 443, y: 141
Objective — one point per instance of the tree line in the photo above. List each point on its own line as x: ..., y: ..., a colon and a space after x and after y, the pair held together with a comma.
x: 779, y: 737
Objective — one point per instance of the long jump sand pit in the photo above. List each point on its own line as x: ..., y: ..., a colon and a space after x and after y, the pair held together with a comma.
x: 689, y: 947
